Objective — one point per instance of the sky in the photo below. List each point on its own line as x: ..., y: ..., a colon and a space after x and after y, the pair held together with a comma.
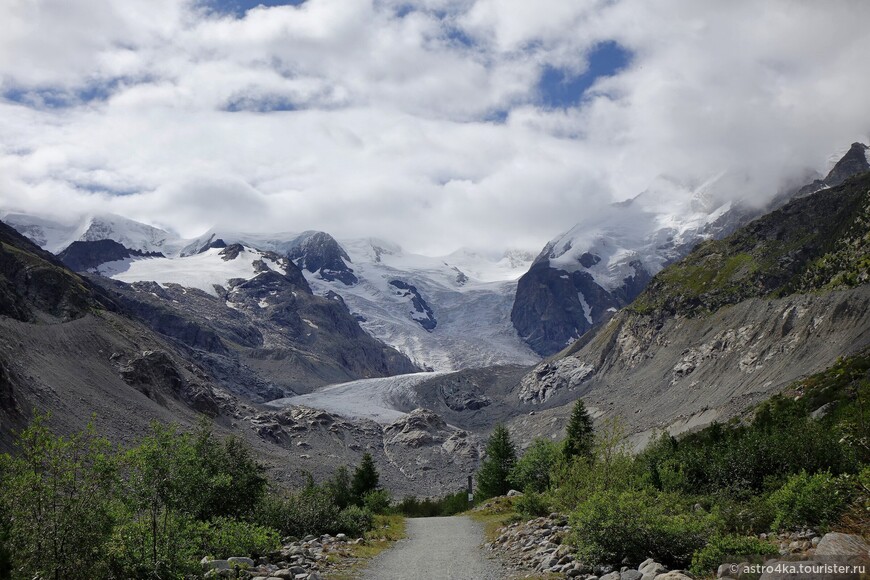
x: 488, y: 124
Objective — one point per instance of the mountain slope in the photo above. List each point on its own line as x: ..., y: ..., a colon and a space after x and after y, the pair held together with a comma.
x: 83, y: 349
x: 726, y: 327
x: 818, y: 243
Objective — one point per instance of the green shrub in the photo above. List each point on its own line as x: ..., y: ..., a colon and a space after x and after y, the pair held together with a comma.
x: 169, y: 550
x: 448, y: 505
x: 808, y: 500
x: 706, y: 560
x: 311, y: 511
x: 56, y: 501
x: 744, y: 514
x: 611, y: 526
x: 532, y: 470
x: 225, y: 537
x: 377, y: 502
x: 532, y: 504
x: 355, y: 521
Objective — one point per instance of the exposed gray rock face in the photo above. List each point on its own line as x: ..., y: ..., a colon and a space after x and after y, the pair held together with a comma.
x: 263, y: 338
x: 854, y: 162
x: 549, y: 378
x: 33, y: 282
x: 554, y: 307
x: 84, y: 256
x: 459, y: 399
x: 319, y: 252
x: 156, y: 375
x: 426, y: 450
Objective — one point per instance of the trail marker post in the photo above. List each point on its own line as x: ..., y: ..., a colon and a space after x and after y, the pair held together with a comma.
x: 470, y: 492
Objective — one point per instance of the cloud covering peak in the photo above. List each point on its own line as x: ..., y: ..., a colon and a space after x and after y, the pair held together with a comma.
x: 430, y: 123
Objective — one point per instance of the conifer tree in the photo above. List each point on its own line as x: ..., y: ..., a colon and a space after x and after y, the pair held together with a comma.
x: 365, y: 479
x: 501, y: 456
x: 580, y: 438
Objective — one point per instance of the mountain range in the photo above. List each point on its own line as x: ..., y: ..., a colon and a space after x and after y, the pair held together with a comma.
x: 316, y: 349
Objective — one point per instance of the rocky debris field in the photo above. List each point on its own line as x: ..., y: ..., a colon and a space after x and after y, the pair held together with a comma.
x: 305, y: 559
x: 539, y: 545
x: 419, y: 453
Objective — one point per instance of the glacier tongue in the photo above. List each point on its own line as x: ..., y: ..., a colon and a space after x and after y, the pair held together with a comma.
x: 379, y: 400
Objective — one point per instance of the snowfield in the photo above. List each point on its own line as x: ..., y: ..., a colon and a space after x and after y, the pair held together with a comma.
x: 203, y: 271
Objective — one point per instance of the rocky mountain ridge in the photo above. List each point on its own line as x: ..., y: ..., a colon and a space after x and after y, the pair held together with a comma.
x: 585, y: 275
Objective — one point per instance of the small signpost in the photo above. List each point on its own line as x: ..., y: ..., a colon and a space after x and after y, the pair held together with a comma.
x: 470, y: 492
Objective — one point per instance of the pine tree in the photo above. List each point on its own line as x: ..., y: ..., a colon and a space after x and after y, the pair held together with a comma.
x: 580, y: 439
x: 501, y: 456
x: 365, y: 479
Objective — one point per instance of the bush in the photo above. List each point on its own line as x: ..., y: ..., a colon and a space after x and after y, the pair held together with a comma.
x: 311, y: 511
x: 745, y: 514
x: 611, y: 526
x: 135, y: 551
x: 532, y: 505
x: 355, y: 521
x: 706, y: 560
x: 377, y: 502
x: 532, y: 471
x: 225, y: 537
x: 448, y: 505
x: 56, y: 501
x: 808, y: 500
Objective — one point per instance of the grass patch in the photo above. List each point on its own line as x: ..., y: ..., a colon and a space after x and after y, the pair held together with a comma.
x: 494, y: 515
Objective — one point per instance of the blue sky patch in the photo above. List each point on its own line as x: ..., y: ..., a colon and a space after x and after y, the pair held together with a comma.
x: 60, y: 97
x: 559, y: 88
x: 238, y: 8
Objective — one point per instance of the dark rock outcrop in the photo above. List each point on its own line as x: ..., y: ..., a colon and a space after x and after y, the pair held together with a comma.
x: 84, y: 256
x: 318, y: 252
x: 854, y: 162
x: 422, y: 313
x: 553, y: 307
x: 156, y: 375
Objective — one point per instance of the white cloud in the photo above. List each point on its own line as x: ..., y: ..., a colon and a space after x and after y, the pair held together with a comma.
x: 389, y: 135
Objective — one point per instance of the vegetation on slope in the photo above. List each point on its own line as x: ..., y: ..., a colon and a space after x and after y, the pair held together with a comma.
x: 800, y: 459
x: 812, y: 243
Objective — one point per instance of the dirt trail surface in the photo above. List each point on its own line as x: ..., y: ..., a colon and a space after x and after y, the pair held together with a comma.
x: 437, y: 549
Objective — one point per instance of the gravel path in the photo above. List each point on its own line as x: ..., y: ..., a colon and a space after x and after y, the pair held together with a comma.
x: 437, y: 549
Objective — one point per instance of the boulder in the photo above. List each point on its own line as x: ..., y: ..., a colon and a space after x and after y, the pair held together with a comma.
x: 215, y: 564
x: 838, y: 544
x: 241, y: 561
